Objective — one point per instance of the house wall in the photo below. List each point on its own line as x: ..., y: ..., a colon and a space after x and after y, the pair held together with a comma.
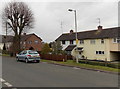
x: 8, y: 44
x: 114, y: 46
x: 1, y: 46
x: 89, y: 50
x: 36, y: 46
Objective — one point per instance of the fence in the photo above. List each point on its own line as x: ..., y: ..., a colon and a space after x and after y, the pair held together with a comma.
x: 55, y: 57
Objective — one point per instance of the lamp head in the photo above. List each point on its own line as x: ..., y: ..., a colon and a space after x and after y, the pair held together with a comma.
x: 70, y: 10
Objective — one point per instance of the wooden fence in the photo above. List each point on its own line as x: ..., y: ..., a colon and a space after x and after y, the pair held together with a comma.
x: 55, y: 57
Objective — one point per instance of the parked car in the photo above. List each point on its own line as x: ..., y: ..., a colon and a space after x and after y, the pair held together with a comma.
x: 28, y: 55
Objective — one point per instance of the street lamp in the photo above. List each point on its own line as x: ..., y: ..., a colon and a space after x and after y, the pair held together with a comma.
x: 75, y: 24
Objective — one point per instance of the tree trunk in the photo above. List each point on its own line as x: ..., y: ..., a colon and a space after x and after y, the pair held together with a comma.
x: 16, y: 44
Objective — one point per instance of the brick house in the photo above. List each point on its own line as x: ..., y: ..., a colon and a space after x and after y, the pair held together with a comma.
x: 28, y: 41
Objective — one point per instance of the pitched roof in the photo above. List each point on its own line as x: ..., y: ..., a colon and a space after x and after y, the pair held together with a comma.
x: 9, y: 38
x: 4, y: 39
x: 92, y: 34
x: 25, y: 37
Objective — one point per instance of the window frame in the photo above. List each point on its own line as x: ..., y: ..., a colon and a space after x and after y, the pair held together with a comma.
x: 81, y: 41
x: 71, y: 42
x: 63, y: 42
x: 100, y: 52
x: 92, y: 41
x: 36, y: 42
x: 116, y: 40
x: 29, y: 42
x: 102, y: 41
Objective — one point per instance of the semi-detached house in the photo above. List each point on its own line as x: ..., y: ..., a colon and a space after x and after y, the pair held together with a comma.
x: 100, y: 44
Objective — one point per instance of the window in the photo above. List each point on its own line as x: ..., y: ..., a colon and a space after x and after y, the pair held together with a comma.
x: 92, y: 41
x: 116, y: 40
x: 29, y: 42
x: 33, y: 52
x: 63, y: 41
x: 102, y: 41
x: 24, y: 52
x: 36, y: 42
x: 81, y: 41
x: 100, y: 52
x: 71, y: 41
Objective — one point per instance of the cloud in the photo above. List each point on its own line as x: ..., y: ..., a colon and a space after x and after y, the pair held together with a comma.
x: 49, y: 15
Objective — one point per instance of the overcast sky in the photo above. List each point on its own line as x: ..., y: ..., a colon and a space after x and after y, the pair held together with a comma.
x: 49, y: 14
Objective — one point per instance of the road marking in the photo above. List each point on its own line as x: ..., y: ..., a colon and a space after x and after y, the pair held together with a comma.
x: 2, y: 80
x: 6, y: 83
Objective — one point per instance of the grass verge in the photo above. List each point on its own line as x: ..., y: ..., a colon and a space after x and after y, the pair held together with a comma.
x: 71, y: 63
x: 4, y: 55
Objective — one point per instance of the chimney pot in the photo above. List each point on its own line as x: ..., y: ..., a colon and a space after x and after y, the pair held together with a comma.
x: 24, y: 33
x: 99, y: 27
x: 71, y: 31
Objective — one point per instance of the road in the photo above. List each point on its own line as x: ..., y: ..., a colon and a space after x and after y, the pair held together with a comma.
x: 20, y: 74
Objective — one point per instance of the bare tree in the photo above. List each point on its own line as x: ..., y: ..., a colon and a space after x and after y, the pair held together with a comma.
x: 18, y: 17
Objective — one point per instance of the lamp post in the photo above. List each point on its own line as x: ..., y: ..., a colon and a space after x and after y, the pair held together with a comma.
x: 75, y: 24
x: 75, y: 32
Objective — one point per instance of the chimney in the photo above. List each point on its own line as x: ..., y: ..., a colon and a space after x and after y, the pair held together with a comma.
x: 99, y: 27
x: 71, y: 31
x: 24, y: 33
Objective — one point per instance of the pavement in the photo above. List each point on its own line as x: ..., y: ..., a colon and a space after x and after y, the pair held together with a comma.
x: 20, y: 74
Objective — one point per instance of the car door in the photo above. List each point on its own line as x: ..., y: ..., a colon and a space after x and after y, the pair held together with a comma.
x: 24, y: 55
x: 20, y: 55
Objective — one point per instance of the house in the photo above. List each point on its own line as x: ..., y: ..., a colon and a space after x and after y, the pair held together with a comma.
x: 6, y: 40
x: 100, y: 44
x: 28, y: 41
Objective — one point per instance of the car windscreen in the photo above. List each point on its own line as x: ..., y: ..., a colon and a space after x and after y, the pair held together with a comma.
x: 33, y: 52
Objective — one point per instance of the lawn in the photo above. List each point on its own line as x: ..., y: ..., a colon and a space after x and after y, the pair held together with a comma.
x: 82, y: 65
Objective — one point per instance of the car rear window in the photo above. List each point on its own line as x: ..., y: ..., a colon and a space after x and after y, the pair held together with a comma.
x: 33, y: 52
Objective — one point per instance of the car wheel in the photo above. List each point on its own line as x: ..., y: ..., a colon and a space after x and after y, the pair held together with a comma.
x: 17, y: 59
x: 26, y: 60
x: 38, y: 61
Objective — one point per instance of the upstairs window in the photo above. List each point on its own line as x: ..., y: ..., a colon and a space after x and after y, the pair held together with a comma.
x: 81, y: 41
x: 36, y: 42
x: 63, y: 41
x: 102, y: 41
x: 29, y: 42
x: 116, y: 40
x: 71, y: 41
x: 92, y: 41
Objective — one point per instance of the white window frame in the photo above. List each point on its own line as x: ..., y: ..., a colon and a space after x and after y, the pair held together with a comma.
x: 100, y: 52
x: 93, y: 41
x: 36, y: 41
x: 102, y: 41
x: 71, y: 42
x: 81, y: 41
x: 116, y: 40
x: 29, y: 42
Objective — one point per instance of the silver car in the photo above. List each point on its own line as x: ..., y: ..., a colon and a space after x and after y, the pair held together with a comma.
x: 28, y: 55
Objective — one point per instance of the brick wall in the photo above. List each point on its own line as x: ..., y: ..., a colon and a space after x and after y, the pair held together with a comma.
x: 33, y: 41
